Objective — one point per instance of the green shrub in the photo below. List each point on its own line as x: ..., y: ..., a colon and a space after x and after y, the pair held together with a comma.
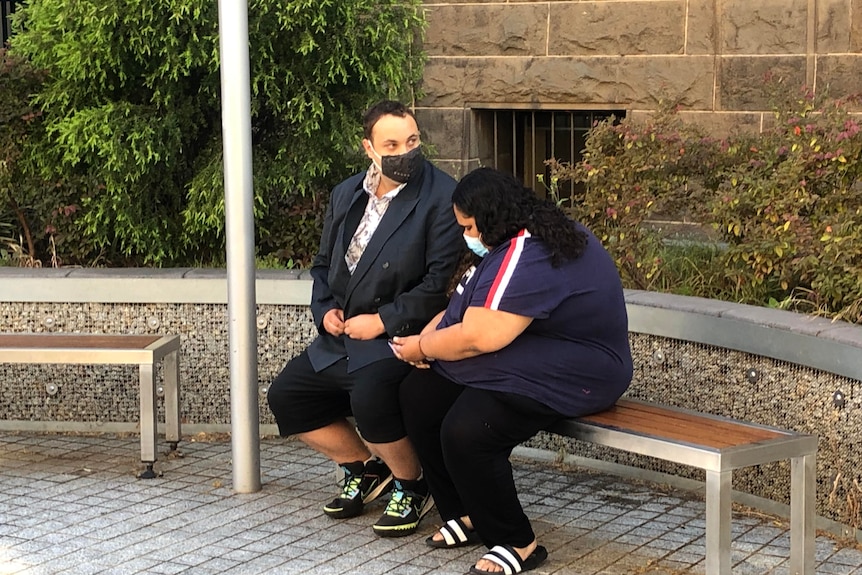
x: 784, y: 206
x: 29, y: 205
x: 132, y: 120
x: 790, y: 213
x: 633, y: 171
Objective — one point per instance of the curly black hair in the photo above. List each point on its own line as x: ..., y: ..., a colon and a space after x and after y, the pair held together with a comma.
x: 502, y: 207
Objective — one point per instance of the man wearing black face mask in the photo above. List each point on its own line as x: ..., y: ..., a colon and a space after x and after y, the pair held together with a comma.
x: 389, y: 247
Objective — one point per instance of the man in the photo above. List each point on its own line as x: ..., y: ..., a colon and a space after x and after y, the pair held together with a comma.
x: 389, y: 247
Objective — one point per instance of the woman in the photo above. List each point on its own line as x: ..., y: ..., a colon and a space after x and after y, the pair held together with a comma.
x: 536, y: 332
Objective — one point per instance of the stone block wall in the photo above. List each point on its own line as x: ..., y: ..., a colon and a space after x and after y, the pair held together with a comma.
x: 711, y: 55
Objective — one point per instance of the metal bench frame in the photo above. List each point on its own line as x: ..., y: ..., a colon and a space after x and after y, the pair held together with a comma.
x: 719, y: 464
x: 145, y: 351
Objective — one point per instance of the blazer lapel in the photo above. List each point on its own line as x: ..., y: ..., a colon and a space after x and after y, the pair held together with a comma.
x: 396, y: 213
x: 351, y: 221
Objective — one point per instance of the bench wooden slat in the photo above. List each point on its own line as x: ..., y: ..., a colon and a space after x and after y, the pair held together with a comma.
x: 76, y: 341
x: 667, y: 423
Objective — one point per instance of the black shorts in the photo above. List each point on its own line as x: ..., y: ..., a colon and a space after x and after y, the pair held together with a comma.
x: 304, y: 400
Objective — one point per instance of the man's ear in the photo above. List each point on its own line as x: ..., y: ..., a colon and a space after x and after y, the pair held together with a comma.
x: 369, y: 150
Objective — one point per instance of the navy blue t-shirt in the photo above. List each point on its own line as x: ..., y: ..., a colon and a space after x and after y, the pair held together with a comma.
x: 574, y: 357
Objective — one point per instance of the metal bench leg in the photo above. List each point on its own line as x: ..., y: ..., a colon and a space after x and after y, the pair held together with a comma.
x: 802, y: 495
x: 718, y: 497
x: 148, y: 421
x: 172, y: 399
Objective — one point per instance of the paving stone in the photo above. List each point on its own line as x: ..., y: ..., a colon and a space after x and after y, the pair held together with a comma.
x: 73, y: 505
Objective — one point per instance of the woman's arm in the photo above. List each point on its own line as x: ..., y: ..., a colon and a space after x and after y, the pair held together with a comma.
x: 432, y: 325
x: 482, y: 330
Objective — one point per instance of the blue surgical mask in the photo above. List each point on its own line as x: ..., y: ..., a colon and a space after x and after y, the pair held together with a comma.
x: 476, y: 246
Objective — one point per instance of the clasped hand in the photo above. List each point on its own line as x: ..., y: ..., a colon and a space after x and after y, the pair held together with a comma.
x: 364, y: 326
x: 407, y: 349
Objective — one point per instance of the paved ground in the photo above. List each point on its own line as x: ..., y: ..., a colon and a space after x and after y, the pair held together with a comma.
x: 73, y: 505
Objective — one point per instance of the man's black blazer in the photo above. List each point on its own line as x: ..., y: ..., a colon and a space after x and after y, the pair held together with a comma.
x: 402, y: 274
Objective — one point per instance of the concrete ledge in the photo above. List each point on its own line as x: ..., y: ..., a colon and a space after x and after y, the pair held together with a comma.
x: 834, y: 347
x: 139, y: 285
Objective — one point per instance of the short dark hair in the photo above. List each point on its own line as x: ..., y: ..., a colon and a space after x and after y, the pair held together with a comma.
x: 380, y: 109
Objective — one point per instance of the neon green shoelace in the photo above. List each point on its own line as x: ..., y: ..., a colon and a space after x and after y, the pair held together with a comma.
x: 351, y: 487
x: 399, y: 504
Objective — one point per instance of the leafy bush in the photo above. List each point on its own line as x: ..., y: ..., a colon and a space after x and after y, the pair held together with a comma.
x: 26, y: 200
x: 633, y: 172
x: 784, y: 205
x: 790, y: 213
x: 131, y: 113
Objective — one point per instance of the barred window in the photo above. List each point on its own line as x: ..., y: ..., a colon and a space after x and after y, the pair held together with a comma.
x: 519, y: 141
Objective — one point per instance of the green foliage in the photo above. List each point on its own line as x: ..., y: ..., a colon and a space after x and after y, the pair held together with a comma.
x: 22, y: 232
x: 790, y: 213
x: 131, y: 117
x: 633, y: 171
x: 784, y: 206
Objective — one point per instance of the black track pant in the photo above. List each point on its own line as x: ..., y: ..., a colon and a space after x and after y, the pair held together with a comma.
x: 464, y: 437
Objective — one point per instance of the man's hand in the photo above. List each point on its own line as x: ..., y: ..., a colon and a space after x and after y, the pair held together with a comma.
x: 365, y: 326
x: 333, y: 322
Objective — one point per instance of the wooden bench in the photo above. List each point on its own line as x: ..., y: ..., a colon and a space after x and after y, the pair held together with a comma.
x: 145, y: 351
x: 717, y: 445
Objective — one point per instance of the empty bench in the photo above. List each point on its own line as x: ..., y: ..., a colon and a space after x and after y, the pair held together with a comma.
x: 717, y: 445
x: 145, y: 351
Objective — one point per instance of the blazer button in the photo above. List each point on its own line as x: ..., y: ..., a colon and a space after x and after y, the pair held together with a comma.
x: 385, y: 265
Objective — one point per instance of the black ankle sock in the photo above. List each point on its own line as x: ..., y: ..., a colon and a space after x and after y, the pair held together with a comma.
x: 355, y: 467
x: 417, y: 486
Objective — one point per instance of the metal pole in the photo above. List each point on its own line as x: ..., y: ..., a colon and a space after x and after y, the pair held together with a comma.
x: 239, y: 234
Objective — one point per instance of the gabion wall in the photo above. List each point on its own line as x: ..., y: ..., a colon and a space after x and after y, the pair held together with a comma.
x: 110, y: 393
x: 695, y: 376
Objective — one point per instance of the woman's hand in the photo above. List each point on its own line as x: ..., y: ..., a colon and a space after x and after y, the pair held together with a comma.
x: 407, y: 349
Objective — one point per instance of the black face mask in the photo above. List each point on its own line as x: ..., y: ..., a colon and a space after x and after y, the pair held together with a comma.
x: 403, y: 167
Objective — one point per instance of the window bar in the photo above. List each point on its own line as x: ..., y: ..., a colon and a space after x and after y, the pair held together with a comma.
x: 532, y: 151
x: 514, y: 144
x: 553, y: 150
x: 496, y: 136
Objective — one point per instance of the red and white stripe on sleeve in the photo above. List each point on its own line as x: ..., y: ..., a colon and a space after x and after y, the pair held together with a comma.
x: 507, y: 268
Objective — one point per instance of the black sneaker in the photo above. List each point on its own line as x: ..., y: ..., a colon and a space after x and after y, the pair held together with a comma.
x: 408, y: 504
x: 362, y: 483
